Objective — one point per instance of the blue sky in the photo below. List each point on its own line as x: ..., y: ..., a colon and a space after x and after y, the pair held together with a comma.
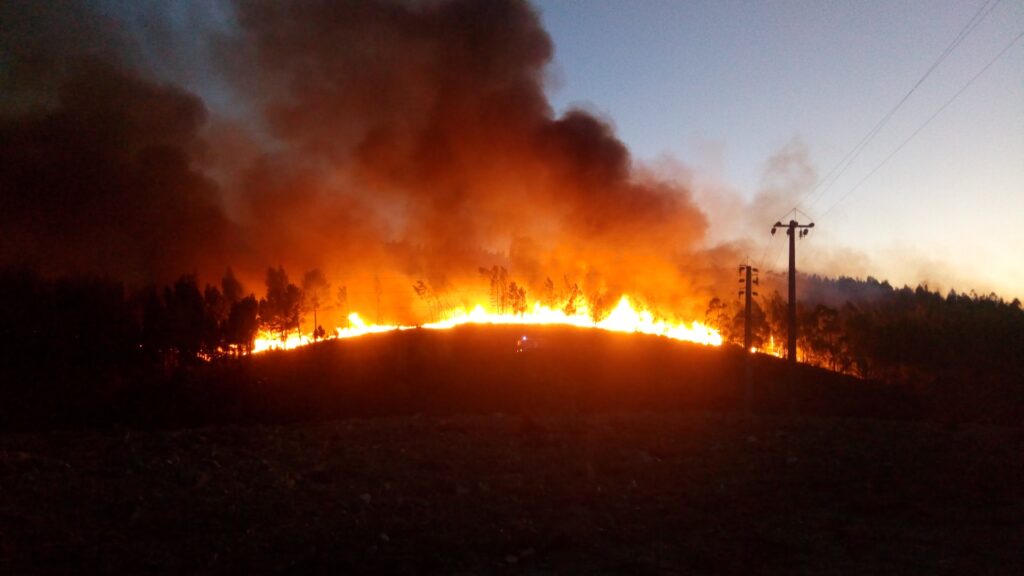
x: 721, y: 87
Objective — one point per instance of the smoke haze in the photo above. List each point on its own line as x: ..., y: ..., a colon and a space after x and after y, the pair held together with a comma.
x: 383, y: 142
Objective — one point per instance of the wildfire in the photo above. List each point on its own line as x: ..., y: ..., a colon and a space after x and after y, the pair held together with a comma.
x: 771, y: 348
x: 623, y: 318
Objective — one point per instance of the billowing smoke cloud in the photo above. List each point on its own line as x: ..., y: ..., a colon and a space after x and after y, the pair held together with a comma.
x: 380, y: 141
x: 96, y: 164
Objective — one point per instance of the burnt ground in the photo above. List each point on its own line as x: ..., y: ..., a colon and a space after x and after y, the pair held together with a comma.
x: 623, y: 492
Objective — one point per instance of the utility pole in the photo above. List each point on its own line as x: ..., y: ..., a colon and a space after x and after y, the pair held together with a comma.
x: 792, y: 229
x: 748, y: 369
x: 748, y: 281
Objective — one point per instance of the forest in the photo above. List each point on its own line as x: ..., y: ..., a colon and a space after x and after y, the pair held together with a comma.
x: 964, y: 348
x: 82, y: 350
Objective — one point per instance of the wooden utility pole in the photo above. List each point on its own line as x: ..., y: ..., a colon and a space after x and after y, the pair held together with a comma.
x: 748, y: 369
x: 792, y: 229
x: 749, y: 280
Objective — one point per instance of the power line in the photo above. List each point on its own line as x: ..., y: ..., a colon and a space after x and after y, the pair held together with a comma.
x: 839, y: 169
x: 767, y: 246
x: 925, y: 124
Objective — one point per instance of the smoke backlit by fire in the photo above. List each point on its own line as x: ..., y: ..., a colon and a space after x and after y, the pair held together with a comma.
x: 382, y: 143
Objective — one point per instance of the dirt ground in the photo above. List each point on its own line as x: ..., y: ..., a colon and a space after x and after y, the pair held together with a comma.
x: 698, y: 493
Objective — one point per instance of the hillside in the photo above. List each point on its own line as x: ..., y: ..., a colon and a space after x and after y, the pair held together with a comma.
x: 485, y: 369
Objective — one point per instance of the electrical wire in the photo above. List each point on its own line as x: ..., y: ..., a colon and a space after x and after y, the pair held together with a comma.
x: 925, y: 124
x: 839, y: 169
x: 823, y: 185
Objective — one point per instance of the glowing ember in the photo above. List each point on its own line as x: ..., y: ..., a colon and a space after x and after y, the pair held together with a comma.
x: 623, y: 318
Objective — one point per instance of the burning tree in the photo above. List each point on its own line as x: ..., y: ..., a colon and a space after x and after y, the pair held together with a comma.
x: 573, y: 296
x: 517, y: 298
x: 435, y: 296
x: 427, y: 295
x: 498, y: 277
x: 549, y: 297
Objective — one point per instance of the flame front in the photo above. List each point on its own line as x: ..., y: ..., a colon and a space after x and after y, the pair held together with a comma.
x: 623, y: 318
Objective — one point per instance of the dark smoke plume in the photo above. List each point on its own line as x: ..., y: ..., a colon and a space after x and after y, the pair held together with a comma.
x: 97, y: 164
x: 380, y: 141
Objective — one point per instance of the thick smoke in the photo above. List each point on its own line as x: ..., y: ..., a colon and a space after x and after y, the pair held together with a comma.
x: 381, y: 141
x: 97, y: 164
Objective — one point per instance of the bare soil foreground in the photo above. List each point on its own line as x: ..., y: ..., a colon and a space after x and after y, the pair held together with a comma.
x: 659, y: 493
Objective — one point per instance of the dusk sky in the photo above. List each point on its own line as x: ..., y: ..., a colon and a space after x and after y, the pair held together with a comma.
x: 721, y: 87
x: 323, y: 134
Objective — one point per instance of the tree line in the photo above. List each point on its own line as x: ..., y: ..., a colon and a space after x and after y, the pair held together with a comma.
x: 65, y: 339
x: 69, y: 346
x: 963, y: 346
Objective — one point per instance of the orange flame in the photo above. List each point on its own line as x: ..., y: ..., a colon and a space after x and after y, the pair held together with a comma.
x: 623, y: 318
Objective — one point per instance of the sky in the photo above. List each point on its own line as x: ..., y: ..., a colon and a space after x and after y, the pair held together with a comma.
x: 641, y: 147
x: 720, y: 88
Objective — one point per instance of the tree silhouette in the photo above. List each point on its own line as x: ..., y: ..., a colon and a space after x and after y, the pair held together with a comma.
x: 231, y: 288
x: 498, y: 278
x: 573, y: 296
x: 315, y: 289
x: 550, y: 299
x: 281, y: 310
x: 217, y: 309
x: 187, y: 317
x: 243, y: 324
x: 517, y: 299
x: 429, y: 297
x: 717, y: 315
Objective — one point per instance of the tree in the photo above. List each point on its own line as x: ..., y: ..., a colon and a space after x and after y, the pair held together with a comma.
x: 231, y: 288
x: 217, y: 309
x: 429, y: 297
x: 777, y: 315
x: 498, y: 278
x: 187, y: 317
x: 758, y: 324
x: 517, y: 299
x: 242, y: 324
x: 821, y: 336
x: 598, y: 306
x: 717, y: 315
x: 573, y: 296
x: 549, y: 297
x: 281, y: 310
x: 315, y: 289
